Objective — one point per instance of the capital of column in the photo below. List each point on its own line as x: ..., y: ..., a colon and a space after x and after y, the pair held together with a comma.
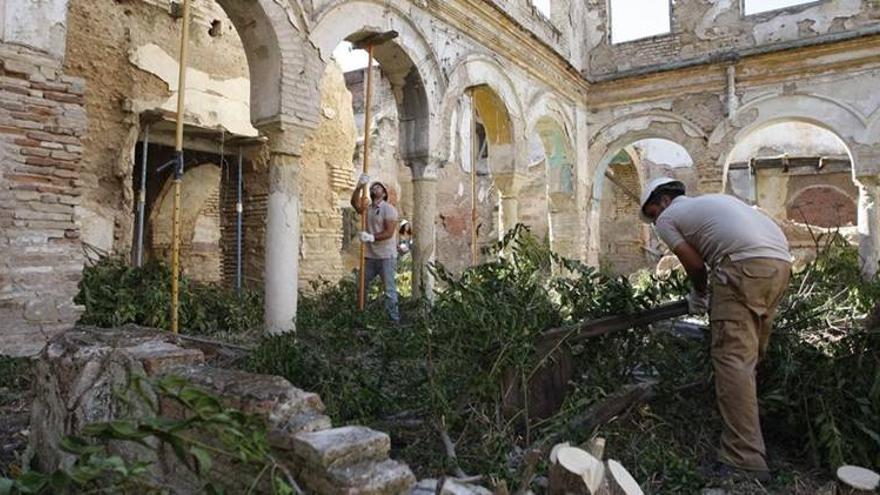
x: 286, y: 136
x: 424, y: 168
x: 509, y: 184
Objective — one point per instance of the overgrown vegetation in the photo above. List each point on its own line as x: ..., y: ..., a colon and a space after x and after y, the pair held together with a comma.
x: 205, y: 434
x: 435, y: 382
x: 115, y: 293
x: 440, y: 374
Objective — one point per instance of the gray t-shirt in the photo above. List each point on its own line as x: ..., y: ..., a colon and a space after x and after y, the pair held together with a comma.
x: 376, y: 216
x: 719, y: 225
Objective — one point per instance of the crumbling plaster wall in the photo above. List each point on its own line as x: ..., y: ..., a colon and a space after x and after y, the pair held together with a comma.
x: 703, y: 30
x: 130, y: 65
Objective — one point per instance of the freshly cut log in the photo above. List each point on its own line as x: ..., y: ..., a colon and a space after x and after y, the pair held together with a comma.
x: 620, y: 482
x: 858, y: 478
x: 574, y: 471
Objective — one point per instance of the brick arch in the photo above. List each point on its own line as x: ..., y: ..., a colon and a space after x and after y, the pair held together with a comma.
x: 280, y: 60
x: 408, y: 61
x: 199, y: 217
x: 482, y: 71
x: 822, y: 205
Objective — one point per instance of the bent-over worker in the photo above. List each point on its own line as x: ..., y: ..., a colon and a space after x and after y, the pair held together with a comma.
x: 750, y: 267
x: 380, y: 246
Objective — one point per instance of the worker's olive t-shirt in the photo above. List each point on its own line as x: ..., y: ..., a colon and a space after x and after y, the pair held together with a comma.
x: 376, y: 216
x: 719, y: 225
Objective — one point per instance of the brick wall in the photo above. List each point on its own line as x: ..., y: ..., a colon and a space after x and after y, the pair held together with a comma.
x: 621, y: 229
x: 822, y: 206
x: 42, y: 119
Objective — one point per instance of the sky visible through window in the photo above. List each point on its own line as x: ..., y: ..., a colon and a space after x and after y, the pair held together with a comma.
x: 635, y: 19
x: 350, y: 59
x: 543, y: 7
x: 758, y: 6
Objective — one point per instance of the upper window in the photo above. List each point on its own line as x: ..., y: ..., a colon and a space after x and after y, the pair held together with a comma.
x: 637, y: 19
x: 757, y: 6
x: 543, y: 7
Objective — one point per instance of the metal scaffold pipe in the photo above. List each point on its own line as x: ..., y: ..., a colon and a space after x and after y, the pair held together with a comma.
x: 142, y: 200
x: 178, y: 170
x: 239, y: 211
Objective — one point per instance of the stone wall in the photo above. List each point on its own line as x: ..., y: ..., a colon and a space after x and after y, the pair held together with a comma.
x: 42, y: 123
x: 84, y: 376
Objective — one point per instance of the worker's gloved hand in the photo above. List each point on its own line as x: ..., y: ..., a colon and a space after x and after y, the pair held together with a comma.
x: 698, y: 304
x: 363, y: 180
x: 367, y: 237
x: 404, y: 248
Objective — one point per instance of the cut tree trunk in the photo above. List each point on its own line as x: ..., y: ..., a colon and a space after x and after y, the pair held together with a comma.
x: 577, y: 472
x: 857, y: 480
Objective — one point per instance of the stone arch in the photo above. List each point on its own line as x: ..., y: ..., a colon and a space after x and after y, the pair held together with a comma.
x: 481, y: 71
x: 834, y: 116
x: 620, y: 135
x: 623, y: 132
x: 201, y: 256
x: 548, y: 123
x: 280, y: 60
x: 408, y: 61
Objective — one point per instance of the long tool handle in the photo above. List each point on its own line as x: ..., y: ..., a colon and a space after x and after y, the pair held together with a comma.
x: 362, y: 279
x: 475, y: 155
x: 178, y: 170
x: 608, y: 324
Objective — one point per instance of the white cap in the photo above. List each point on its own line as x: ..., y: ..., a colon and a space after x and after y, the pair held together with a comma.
x: 648, y: 190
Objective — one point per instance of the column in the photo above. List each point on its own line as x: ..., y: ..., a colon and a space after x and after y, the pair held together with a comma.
x: 509, y: 185
x: 281, y: 275
x: 425, y: 211
x: 869, y: 224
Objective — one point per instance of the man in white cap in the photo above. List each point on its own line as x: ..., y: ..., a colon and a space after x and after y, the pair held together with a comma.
x: 380, y: 246
x: 750, y: 265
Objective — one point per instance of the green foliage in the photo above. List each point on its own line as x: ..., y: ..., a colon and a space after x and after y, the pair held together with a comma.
x: 821, y: 382
x: 443, y: 369
x: 115, y: 293
x: 207, y: 432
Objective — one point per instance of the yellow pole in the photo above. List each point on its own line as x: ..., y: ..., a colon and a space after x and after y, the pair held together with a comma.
x: 475, y: 156
x: 178, y: 171
x: 362, y: 284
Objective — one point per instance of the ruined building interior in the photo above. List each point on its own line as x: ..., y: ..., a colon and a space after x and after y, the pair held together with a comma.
x: 484, y: 114
x: 574, y: 106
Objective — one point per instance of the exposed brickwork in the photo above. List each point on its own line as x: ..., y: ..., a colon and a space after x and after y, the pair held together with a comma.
x: 621, y: 234
x: 41, y: 122
x: 823, y: 206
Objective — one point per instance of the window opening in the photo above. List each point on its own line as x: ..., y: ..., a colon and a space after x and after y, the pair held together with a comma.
x: 636, y: 19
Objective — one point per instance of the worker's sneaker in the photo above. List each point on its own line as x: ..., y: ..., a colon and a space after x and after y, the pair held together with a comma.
x: 721, y: 472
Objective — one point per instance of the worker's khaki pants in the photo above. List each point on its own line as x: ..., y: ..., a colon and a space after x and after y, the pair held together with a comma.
x: 745, y: 295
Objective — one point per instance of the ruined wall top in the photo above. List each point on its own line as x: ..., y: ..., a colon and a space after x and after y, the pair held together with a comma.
x: 717, y: 30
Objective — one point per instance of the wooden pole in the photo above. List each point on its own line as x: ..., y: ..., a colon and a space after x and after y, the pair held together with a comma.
x: 475, y: 156
x: 362, y: 283
x: 178, y: 171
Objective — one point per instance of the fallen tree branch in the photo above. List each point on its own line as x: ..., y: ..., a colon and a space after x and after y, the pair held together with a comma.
x: 606, y: 410
x: 450, y: 451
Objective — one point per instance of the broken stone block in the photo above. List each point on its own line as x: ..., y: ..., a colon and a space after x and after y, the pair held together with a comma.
x: 339, y: 446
